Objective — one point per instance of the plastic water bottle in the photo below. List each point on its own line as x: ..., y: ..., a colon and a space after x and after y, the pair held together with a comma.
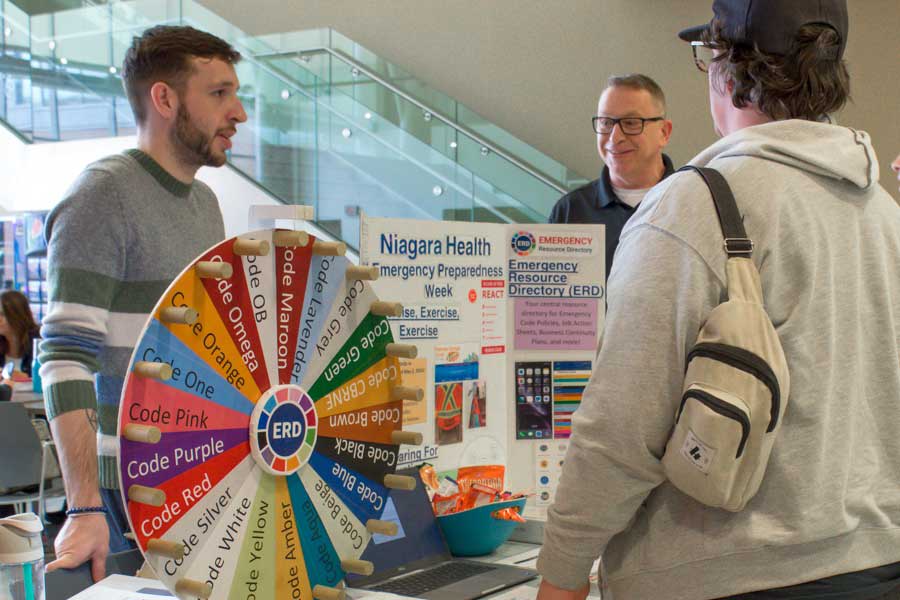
x: 36, y: 386
x: 21, y: 558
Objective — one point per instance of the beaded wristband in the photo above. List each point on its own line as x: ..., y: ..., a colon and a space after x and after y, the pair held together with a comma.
x: 85, y: 510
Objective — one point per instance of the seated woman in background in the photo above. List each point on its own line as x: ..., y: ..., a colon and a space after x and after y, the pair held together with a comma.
x: 17, y: 332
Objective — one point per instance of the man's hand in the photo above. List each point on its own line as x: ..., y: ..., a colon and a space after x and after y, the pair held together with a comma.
x: 86, y: 536
x: 548, y: 591
x: 83, y: 538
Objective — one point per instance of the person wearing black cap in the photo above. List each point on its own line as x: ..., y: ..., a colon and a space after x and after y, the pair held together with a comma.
x: 632, y: 130
x: 825, y: 522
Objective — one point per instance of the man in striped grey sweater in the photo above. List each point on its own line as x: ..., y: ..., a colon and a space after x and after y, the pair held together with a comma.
x: 126, y: 228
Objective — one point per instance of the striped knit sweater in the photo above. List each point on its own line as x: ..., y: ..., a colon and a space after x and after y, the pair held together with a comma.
x: 121, y: 235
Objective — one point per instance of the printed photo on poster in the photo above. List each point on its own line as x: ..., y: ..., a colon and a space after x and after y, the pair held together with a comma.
x: 448, y: 354
x: 569, y: 380
x: 476, y: 403
x: 454, y: 367
x: 448, y: 403
x: 534, y: 401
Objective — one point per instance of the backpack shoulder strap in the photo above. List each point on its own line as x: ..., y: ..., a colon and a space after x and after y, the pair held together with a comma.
x: 737, y: 244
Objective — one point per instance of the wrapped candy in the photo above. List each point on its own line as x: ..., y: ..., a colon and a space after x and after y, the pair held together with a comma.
x: 489, y: 475
x: 508, y: 514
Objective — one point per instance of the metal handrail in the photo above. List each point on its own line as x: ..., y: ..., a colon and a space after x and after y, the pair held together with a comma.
x: 436, y: 114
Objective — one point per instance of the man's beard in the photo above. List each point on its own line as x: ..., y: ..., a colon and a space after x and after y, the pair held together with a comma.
x: 191, y: 145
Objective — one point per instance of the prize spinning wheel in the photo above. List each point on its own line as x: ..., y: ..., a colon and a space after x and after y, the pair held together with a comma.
x: 261, y: 420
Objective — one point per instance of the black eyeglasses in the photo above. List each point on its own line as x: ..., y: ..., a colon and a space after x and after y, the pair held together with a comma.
x: 628, y: 125
x: 703, y: 55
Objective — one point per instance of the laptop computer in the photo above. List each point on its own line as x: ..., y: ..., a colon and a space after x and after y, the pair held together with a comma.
x: 417, y: 563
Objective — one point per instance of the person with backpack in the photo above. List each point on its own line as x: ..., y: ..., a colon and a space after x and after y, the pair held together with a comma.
x: 824, y: 522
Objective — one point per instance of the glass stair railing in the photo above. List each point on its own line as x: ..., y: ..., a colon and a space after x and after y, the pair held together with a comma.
x: 511, y: 165
x: 365, y: 73
x: 311, y: 138
x: 522, y: 195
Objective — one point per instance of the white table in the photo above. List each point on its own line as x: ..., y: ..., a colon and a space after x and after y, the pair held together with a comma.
x: 120, y: 587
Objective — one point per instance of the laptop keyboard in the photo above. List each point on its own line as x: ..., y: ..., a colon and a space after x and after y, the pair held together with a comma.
x: 432, y: 579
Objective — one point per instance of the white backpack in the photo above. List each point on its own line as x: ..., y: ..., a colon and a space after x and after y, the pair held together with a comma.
x: 736, y: 386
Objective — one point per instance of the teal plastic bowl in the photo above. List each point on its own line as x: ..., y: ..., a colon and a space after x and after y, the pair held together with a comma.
x: 475, y: 532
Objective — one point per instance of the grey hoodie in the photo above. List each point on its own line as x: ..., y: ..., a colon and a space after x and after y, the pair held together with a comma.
x: 828, y: 249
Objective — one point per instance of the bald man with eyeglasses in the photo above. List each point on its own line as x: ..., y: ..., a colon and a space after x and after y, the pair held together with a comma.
x: 632, y: 130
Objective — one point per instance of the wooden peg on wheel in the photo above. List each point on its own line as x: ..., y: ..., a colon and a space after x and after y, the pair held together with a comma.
x: 412, y: 438
x: 192, y: 587
x: 401, y: 350
x: 146, y: 495
x: 179, y: 315
x: 144, y: 434
x: 165, y: 548
x: 363, y: 273
x: 153, y: 370
x: 358, y: 567
x: 290, y: 239
x: 388, y: 528
x: 401, y: 392
x: 209, y: 269
x: 248, y: 247
x: 380, y: 308
x: 321, y: 248
x: 400, y: 482
x: 321, y: 592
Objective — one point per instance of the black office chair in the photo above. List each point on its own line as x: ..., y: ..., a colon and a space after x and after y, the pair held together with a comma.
x: 27, y: 462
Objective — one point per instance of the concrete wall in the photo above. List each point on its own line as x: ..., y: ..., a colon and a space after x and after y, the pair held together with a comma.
x: 536, y: 68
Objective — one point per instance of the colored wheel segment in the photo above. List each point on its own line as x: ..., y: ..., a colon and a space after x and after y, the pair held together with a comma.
x: 242, y: 302
x: 264, y: 452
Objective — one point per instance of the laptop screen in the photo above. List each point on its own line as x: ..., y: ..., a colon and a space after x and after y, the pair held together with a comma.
x: 418, y: 542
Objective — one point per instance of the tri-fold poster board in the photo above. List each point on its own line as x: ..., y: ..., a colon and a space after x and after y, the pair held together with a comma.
x: 506, y: 319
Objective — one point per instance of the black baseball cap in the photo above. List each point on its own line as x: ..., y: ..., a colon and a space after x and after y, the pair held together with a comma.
x: 772, y: 24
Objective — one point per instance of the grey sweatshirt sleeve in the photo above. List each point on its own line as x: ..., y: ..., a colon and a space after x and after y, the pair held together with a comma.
x: 660, y: 290
x: 87, y: 242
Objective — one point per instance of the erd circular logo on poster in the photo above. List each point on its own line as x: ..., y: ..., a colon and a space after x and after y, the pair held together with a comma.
x: 523, y: 243
x: 283, y: 430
